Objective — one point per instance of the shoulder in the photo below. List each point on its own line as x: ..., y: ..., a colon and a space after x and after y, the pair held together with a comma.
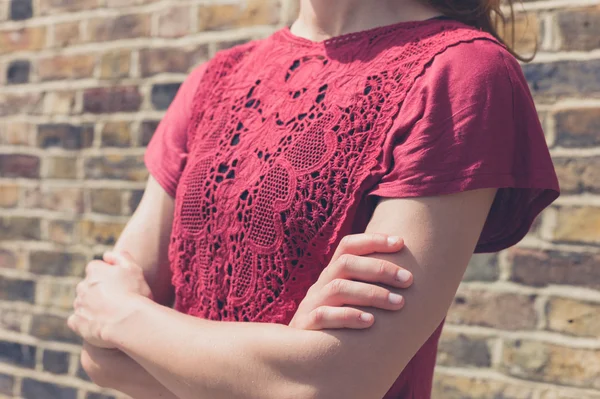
x: 479, y: 62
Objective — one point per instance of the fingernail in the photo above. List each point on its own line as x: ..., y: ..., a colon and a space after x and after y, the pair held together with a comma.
x: 403, y: 276
x: 366, y: 317
x: 395, y: 299
x: 393, y: 240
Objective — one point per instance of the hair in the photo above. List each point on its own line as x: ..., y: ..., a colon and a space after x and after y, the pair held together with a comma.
x: 486, y: 15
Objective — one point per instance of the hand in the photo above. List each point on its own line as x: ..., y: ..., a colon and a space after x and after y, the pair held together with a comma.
x: 345, y: 281
x: 106, y: 296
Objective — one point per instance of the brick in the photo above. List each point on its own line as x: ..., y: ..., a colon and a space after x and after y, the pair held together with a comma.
x: 116, y: 134
x: 578, y: 128
x: 18, y: 72
x: 112, y: 99
x: 122, y: 27
x: 542, y: 268
x: 228, y: 16
x: 147, y: 129
x: 61, y: 231
x: 19, y: 165
x: 492, y: 309
x: 61, y: 167
x: 461, y: 350
x: 32, y: 389
x: 61, y: 6
x: 14, y: 289
x: 7, y: 383
x: 555, y: 393
x: 8, y: 259
x: 9, y: 195
x: 460, y: 387
x: 482, y: 267
x: 106, y: 201
x: 199, y: 55
x: 57, y: 263
x: 578, y: 175
x: 579, y: 28
x: 15, y: 133
x: 134, y: 200
x: 573, y: 317
x: 538, y: 361
x: 75, y: 66
x: 163, y: 94
x: 563, y: 78
x: 56, y: 362
x: 174, y: 22
x: 20, y: 103
x: 10, y: 320
x: 21, y: 9
x: 116, y: 167
x: 98, y: 233
x: 67, y: 34
x: 578, y: 224
x: 24, y: 39
x: 59, y: 103
x: 161, y: 60
x: 52, y: 328
x: 526, y: 33
x: 17, y: 354
x: 69, y: 137
x: 115, y: 64
x: 19, y: 228
x: 227, y: 44
x: 61, y: 199
x: 55, y: 294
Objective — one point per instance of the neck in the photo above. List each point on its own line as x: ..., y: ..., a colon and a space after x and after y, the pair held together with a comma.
x: 323, y: 19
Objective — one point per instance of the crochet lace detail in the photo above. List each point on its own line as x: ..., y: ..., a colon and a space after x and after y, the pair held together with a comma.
x: 284, y: 136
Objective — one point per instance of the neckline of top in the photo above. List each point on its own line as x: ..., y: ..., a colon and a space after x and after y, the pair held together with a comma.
x: 286, y: 34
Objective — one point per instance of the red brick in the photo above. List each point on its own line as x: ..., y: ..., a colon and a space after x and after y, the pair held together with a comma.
x: 66, y: 67
x: 161, y: 60
x: 550, y: 363
x: 578, y: 128
x: 120, y: 167
x: 122, y: 27
x: 174, y: 22
x: 493, y: 309
x: 23, y: 103
x: 580, y: 28
x: 542, y: 268
x: 61, y: 6
x: 112, y: 99
x: 19, y: 165
x: 67, y: 34
x: 24, y: 39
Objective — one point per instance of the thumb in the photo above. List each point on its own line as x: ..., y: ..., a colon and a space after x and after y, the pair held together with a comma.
x: 121, y: 258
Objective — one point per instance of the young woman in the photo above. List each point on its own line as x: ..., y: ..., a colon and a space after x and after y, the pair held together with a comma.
x: 405, y: 118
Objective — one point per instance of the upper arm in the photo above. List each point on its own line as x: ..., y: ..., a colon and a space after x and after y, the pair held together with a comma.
x: 440, y: 235
x: 146, y: 238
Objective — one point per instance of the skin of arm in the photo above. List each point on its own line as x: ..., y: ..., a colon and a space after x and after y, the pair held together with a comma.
x: 198, y: 358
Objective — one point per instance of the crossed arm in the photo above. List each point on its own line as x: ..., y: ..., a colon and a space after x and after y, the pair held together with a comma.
x: 195, y: 358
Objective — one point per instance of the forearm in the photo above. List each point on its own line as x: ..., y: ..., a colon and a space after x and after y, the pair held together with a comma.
x: 197, y: 358
x: 115, y: 370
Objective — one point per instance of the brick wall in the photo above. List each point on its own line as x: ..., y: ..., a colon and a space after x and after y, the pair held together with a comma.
x: 83, y: 84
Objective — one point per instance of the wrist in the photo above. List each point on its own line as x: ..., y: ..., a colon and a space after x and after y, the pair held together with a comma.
x: 132, y: 307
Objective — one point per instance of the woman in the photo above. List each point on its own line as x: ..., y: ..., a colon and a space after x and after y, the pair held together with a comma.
x: 402, y: 117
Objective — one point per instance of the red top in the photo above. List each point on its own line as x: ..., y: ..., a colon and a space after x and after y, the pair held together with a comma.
x: 278, y: 148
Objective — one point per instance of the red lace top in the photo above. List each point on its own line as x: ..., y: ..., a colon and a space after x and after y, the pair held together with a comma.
x: 276, y: 149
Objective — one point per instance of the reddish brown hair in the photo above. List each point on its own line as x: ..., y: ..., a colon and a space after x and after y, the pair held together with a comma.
x: 486, y: 15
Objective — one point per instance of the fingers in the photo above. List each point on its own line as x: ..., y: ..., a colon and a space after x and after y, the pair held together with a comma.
x: 346, y: 292
x: 367, y: 243
x: 370, y: 270
x: 329, y: 317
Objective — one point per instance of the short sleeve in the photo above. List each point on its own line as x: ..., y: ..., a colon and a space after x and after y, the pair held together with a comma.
x: 469, y: 122
x: 167, y: 151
